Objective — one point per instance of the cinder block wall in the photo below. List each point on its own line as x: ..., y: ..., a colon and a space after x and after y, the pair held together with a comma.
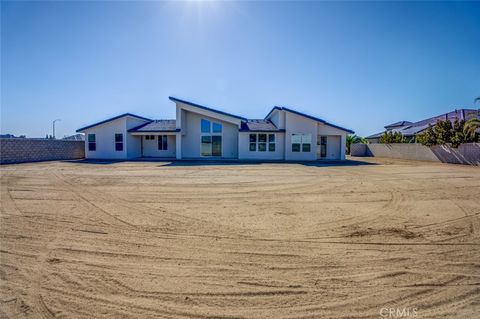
x: 358, y: 149
x: 465, y: 154
x: 18, y: 150
x: 416, y: 152
x: 468, y: 153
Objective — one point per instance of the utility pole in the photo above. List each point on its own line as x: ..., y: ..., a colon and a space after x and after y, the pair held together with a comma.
x: 54, y: 126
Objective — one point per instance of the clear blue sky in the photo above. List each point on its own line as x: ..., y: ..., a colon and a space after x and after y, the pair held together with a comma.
x: 358, y: 65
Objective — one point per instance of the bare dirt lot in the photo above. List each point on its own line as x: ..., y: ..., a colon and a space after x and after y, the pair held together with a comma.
x: 186, y: 240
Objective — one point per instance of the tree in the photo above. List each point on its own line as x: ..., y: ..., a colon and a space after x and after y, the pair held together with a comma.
x: 354, y: 139
x: 443, y: 131
x: 390, y: 137
x: 470, y: 129
x: 427, y: 138
x: 458, y: 136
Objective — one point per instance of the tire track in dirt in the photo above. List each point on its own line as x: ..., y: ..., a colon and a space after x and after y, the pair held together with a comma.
x: 228, y: 254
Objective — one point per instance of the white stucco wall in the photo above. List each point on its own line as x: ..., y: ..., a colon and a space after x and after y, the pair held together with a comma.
x: 278, y: 118
x: 336, y: 141
x: 333, y: 147
x: 105, y: 139
x: 191, y: 136
x: 244, y: 144
x: 187, y: 143
x: 134, y: 148
x: 296, y: 124
x: 150, y: 147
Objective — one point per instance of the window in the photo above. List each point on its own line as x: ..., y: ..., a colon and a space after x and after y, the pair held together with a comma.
x: 205, y: 126
x: 162, y: 142
x: 271, y: 142
x: 306, y: 142
x: 296, y: 142
x: 253, y: 143
x: 150, y: 137
x: 118, y: 142
x: 260, y: 143
x: 92, y: 144
x: 210, y: 127
x: 217, y: 128
x: 211, y: 138
x: 301, y: 142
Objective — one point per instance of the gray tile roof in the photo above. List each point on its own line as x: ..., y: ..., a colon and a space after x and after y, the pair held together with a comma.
x: 412, y: 129
x: 396, y: 124
x: 259, y: 126
x: 377, y: 135
x: 417, y: 127
x: 156, y: 126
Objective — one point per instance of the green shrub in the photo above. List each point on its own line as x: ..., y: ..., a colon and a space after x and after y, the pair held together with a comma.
x: 445, y: 132
x: 392, y: 137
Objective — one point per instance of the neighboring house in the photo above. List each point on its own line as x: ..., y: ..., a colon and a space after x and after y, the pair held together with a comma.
x: 200, y: 132
x: 410, y: 130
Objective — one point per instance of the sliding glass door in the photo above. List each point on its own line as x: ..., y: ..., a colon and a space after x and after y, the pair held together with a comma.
x: 211, y: 145
x: 211, y: 138
x: 216, y: 145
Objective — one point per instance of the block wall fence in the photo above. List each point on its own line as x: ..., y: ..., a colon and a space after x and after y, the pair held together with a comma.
x: 468, y: 154
x: 20, y: 150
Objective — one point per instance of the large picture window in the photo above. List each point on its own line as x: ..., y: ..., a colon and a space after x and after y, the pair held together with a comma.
x: 119, y: 142
x: 261, y: 142
x: 92, y: 142
x: 211, y: 138
x: 162, y: 142
x: 301, y: 143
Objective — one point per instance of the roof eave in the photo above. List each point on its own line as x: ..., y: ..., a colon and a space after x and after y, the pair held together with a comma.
x: 271, y: 111
x: 313, y: 118
x: 340, y: 128
x: 206, y: 108
x: 81, y: 130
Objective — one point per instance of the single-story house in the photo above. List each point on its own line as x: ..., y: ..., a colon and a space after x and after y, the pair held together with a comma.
x: 201, y: 132
x: 410, y: 130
